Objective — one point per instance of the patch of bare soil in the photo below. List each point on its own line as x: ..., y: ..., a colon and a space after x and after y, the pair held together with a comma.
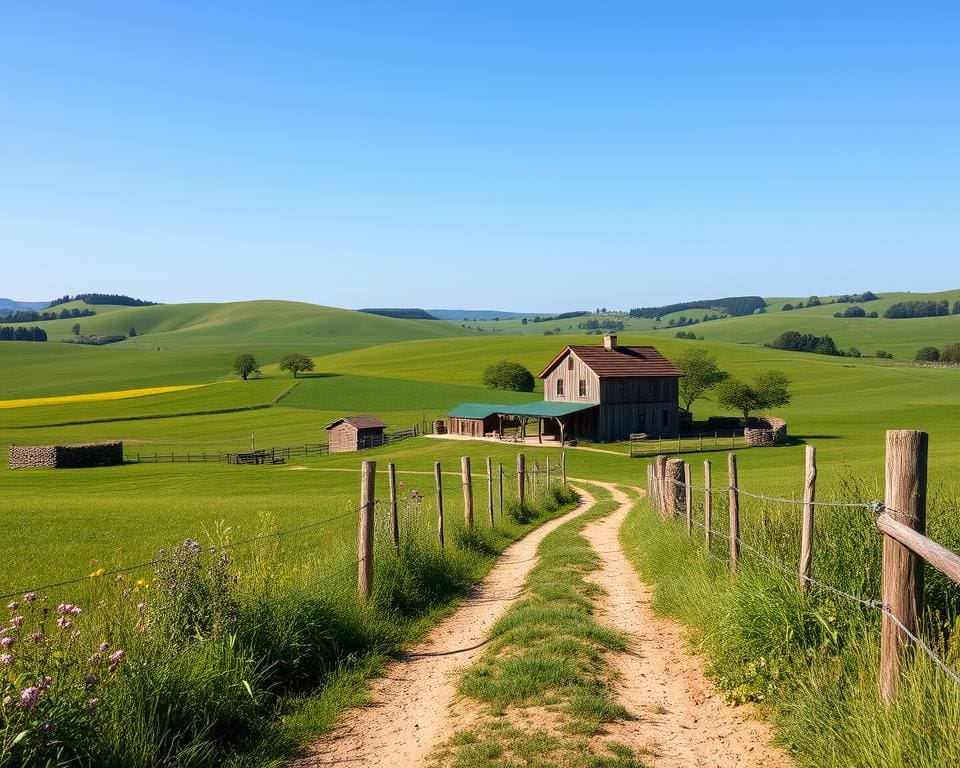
x: 680, y: 720
x: 408, y: 712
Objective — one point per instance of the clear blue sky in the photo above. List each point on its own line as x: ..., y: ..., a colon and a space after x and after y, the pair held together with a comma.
x: 540, y: 156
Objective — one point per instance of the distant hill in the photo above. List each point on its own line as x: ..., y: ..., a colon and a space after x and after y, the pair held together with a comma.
x: 116, y: 299
x: 734, y: 306
x: 480, y: 314
x: 401, y: 313
x: 9, y: 306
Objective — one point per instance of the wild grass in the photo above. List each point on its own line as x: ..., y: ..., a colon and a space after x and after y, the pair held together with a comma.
x: 543, y: 681
x: 810, y: 660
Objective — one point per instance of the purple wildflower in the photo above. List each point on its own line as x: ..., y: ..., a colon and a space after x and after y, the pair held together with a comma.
x: 36, y: 637
x: 46, y: 682
x: 13, y: 606
x: 92, y: 704
x: 6, y: 641
x: 104, y: 647
x: 64, y: 623
x: 68, y: 609
x: 30, y: 597
x: 6, y: 659
x: 116, y: 657
x: 29, y: 696
x: 16, y: 621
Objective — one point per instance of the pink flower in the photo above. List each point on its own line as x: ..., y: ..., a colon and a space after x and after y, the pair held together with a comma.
x: 16, y: 621
x: 29, y: 696
x: 6, y: 641
x: 116, y: 657
x: 36, y: 637
x: 104, y: 647
x: 64, y: 623
x: 13, y: 606
x: 6, y: 659
x: 68, y: 609
x: 92, y: 704
x: 30, y: 597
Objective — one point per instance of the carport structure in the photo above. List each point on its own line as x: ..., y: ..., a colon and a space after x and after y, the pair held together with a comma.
x: 562, y: 420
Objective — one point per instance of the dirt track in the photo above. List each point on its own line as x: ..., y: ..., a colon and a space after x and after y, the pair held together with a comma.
x: 677, y: 718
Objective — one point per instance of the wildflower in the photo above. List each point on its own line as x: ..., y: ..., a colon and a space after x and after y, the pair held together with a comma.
x: 64, y: 623
x: 30, y: 597
x: 65, y: 609
x: 16, y: 621
x: 29, y: 696
x: 6, y: 641
x: 91, y: 679
x: 141, y: 584
x: 104, y: 647
x: 98, y: 572
x: 6, y: 659
x: 7, y: 701
x: 115, y: 658
x: 141, y: 607
x: 92, y: 704
x: 46, y: 682
x: 13, y: 606
x: 36, y: 637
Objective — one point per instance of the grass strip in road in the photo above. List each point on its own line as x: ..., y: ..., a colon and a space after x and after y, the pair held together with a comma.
x: 543, y: 685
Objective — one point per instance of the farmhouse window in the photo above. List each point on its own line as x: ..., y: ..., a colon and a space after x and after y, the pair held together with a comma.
x: 583, y: 387
x: 559, y: 387
x: 570, y: 363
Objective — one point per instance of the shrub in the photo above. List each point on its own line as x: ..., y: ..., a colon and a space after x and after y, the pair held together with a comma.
x: 884, y: 355
x: 927, y: 355
x: 917, y: 309
x: 854, y: 312
x: 950, y: 354
x: 853, y: 352
x: 787, y: 307
x: 507, y: 375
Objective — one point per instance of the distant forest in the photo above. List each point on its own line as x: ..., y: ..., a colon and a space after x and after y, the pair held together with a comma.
x: 28, y: 316
x: 7, y: 333
x: 735, y: 306
x: 104, y: 298
x: 400, y: 313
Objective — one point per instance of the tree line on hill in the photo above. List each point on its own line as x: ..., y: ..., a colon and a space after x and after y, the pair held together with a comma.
x: 31, y: 316
x: 921, y: 308
x: 950, y: 354
x: 794, y: 341
x: 735, y: 306
x: 400, y: 313
x: 855, y: 312
x: 846, y: 298
x: 104, y: 298
x: 8, y: 333
x: 551, y: 318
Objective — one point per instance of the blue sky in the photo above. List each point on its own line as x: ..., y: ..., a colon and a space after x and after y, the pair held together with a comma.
x: 541, y: 156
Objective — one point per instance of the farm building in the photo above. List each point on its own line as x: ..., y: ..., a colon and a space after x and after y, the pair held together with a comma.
x: 351, y: 433
x: 599, y: 393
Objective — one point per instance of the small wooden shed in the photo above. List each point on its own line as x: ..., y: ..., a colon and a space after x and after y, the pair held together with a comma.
x: 351, y: 433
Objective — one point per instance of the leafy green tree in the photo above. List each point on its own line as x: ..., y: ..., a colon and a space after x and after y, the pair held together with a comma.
x: 75, y: 328
x: 507, y: 375
x: 296, y: 363
x: 701, y: 372
x: 927, y: 355
x: 133, y: 332
x: 245, y: 366
x: 769, y: 390
x: 950, y: 354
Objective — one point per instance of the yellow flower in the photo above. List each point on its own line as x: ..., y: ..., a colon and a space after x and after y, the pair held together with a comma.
x: 98, y: 572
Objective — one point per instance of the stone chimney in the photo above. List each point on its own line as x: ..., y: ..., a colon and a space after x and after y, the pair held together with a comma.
x: 610, y: 341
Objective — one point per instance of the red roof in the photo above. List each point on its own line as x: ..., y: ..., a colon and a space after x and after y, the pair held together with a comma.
x: 619, y: 362
x: 360, y: 422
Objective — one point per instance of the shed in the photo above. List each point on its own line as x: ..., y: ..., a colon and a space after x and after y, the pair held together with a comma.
x: 474, y: 419
x: 351, y: 433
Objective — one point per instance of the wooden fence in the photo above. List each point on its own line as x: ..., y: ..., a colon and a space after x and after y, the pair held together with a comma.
x: 280, y: 454
x: 642, y: 446
x: 900, y: 519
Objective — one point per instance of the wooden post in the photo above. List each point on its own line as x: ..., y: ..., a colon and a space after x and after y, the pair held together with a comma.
x: 563, y: 468
x: 688, y: 496
x: 521, y: 478
x: 707, y: 506
x: 651, y: 485
x: 392, y: 473
x: 734, y: 512
x: 674, y: 485
x: 806, y: 536
x: 536, y: 478
x: 906, y: 502
x: 439, y: 480
x: 490, y: 488
x: 661, y: 466
x: 467, y: 481
x: 368, y: 476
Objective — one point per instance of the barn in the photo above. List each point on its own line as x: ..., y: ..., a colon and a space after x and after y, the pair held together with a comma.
x: 351, y: 433
x: 635, y: 389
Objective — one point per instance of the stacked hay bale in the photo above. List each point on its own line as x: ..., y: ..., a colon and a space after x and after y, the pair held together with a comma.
x: 765, y: 432
x: 65, y: 456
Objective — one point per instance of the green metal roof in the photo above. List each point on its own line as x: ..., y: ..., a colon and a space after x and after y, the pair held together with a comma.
x: 538, y: 409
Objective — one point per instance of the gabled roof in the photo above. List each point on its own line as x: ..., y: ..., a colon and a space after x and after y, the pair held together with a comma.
x: 619, y: 362
x: 360, y: 422
x: 536, y: 409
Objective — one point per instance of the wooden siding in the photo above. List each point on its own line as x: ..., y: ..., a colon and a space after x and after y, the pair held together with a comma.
x: 346, y: 437
x: 571, y: 383
x: 473, y: 427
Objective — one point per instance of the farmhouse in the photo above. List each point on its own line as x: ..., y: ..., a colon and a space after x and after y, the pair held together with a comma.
x: 598, y: 393
x: 352, y: 433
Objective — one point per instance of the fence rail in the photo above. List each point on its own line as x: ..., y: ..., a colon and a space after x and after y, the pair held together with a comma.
x: 643, y: 446
x: 900, y: 518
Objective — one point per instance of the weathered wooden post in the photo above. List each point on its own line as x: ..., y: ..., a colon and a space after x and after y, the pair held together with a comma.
x: 734, y: 512
x: 651, y: 486
x: 490, y: 488
x: 521, y: 478
x: 368, y: 476
x: 466, y: 479
x: 674, y: 483
x: 548, y: 473
x: 707, y: 506
x: 663, y: 490
x: 563, y: 468
x: 906, y: 502
x: 392, y: 474
x: 439, y: 480
x: 806, y: 535
x: 688, y: 496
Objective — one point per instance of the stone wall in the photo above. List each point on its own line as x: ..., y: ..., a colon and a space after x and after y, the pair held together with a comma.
x: 65, y: 456
x: 765, y: 431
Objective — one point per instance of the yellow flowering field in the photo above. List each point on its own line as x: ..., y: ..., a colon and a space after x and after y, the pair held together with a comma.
x: 120, y: 394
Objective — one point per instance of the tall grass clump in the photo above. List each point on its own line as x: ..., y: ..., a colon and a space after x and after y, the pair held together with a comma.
x: 811, y: 660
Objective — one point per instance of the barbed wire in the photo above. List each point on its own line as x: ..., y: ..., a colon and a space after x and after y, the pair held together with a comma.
x: 877, y: 507
x: 157, y: 560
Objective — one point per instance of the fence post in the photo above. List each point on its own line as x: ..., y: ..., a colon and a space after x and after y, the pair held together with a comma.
x: 688, y: 496
x: 707, y: 506
x: 467, y: 480
x: 392, y: 474
x: 674, y: 484
x: 536, y: 477
x: 439, y: 480
x: 734, y: 512
x: 500, y: 465
x: 661, y: 467
x: 806, y: 536
x: 490, y: 488
x: 905, y: 501
x: 368, y: 476
x: 521, y: 478
x: 651, y: 482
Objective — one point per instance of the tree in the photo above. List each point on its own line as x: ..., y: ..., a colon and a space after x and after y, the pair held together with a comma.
x: 507, y: 375
x: 769, y: 390
x: 244, y: 366
x: 927, y: 355
x: 296, y: 363
x: 76, y: 329
x: 133, y: 332
x: 950, y: 354
x: 701, y: 372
